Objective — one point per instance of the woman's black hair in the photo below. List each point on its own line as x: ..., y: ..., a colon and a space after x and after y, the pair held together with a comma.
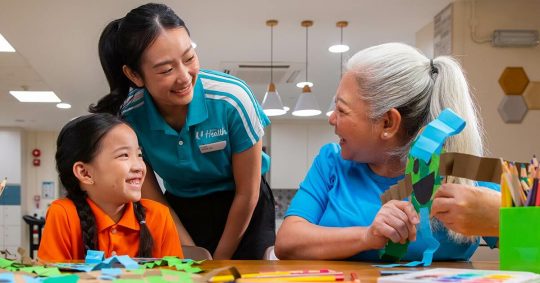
x: 123, y: 42
x: 79, y: 140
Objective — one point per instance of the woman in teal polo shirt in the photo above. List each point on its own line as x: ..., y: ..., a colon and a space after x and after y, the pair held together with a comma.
x: 387, y: 95
x: 200, y: 131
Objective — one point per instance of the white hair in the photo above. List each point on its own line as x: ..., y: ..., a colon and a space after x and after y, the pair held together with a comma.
x: 396, y: 75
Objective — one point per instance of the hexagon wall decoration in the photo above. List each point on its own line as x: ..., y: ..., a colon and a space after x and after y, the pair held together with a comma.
x: 513, y: 80
x: 532, y: 95
x: 512, y: 108
x: 521, y: 94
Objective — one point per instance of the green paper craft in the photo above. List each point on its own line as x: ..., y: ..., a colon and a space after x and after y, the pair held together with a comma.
x: 42, y: 271
x: 423, y: 168
x: 425, y: 179
x: 177, y: 263
x: 39, y: 270
x: 4, y: 263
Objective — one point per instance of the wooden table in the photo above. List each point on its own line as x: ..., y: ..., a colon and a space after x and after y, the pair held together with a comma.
x: 365, y: 271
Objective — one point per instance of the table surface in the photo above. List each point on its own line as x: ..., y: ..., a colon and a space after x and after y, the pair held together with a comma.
x: 366, y: 271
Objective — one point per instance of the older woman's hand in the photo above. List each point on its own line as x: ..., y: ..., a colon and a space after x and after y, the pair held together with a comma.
x: 395, y: 221
x: 468, y: 210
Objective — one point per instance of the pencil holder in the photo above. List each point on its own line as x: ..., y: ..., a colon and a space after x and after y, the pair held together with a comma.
x: 519, y: 239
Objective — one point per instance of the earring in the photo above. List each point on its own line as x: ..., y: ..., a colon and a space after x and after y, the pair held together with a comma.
x: 385, y: 134
x: 91, y: 182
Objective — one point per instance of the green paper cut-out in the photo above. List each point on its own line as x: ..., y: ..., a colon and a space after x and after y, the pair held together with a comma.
x: 177, y: 263
x: 423, y: 168
x: 5, y: 263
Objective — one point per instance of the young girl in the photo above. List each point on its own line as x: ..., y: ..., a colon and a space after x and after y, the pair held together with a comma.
x: 100, y: 164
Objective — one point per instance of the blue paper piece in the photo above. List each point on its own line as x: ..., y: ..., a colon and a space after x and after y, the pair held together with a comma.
x: 93, y: 256
x: 435, y: 133
x: 388, y: 265
x: 7, y: 277
x: 30, y: 279
x: 124, y: 260
x: 109, y: 263
x: 427, y: 236
x: 424, y: 235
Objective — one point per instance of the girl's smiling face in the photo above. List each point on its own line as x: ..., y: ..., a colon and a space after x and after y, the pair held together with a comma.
x: 117, y: 170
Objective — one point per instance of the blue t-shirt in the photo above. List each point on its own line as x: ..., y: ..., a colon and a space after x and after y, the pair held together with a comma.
x: 342, y: 193
x: 223, y: 118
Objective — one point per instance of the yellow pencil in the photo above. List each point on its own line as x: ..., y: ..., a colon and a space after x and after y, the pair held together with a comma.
x: 278, y: 275
x: 505, y: 192
x: 226, y: 278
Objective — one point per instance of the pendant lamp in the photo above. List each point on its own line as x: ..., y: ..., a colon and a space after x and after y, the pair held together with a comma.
x: 338, y: 48
x: 307, y: 104
x: 272, y: 105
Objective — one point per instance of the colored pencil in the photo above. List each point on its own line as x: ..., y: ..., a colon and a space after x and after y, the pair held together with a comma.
x: 280, y: 275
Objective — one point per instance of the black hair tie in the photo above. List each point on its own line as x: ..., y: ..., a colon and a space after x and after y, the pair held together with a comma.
x: 434, y: 69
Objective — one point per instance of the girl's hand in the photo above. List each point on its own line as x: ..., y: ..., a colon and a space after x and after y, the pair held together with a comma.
x: 395, y: 221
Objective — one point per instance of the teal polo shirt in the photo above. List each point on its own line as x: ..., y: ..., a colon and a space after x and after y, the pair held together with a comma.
x: 223, y: 119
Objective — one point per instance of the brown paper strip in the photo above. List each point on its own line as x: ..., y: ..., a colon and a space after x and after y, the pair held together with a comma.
x: 399, y: 191
x: 471, y: 167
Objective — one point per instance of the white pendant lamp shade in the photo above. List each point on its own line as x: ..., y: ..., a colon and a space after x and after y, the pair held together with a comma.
x: 338, y: 48
x: 303, y: 84
x: 307, y: 104
x: 272, y: 105
x: 332, y: 107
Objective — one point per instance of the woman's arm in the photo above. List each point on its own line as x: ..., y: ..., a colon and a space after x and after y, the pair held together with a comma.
x: 247, y: 177
x: 151, y: 190
x: 299, y: 239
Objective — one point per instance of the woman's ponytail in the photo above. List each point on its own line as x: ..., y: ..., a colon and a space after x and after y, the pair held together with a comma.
x: 112, y: 64
x: 451, y: 90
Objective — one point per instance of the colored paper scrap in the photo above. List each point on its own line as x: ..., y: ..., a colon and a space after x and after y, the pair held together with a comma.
x: 93, y: 256
x: 72, y: 278
x: 401, y: 190
x: 471, y: 167
x: 7, y: 277
x: 431, y: 140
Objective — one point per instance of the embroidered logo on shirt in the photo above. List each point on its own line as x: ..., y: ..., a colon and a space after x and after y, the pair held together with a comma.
x: 210, y: 133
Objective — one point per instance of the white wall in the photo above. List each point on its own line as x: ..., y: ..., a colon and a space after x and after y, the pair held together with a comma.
x: 11, y: 225
x: 424, y: 39
x: 36, y: 175
x: 484, y: 65
x: 10, y: 154
x: 293, y: 146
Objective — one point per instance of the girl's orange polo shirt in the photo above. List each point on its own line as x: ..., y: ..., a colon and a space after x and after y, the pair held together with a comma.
x: 62, y: 237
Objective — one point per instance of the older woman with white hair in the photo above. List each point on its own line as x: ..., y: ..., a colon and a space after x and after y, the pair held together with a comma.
x: 388, y: 93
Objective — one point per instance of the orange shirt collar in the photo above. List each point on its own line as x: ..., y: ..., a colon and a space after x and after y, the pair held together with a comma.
x: 103, y: 221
